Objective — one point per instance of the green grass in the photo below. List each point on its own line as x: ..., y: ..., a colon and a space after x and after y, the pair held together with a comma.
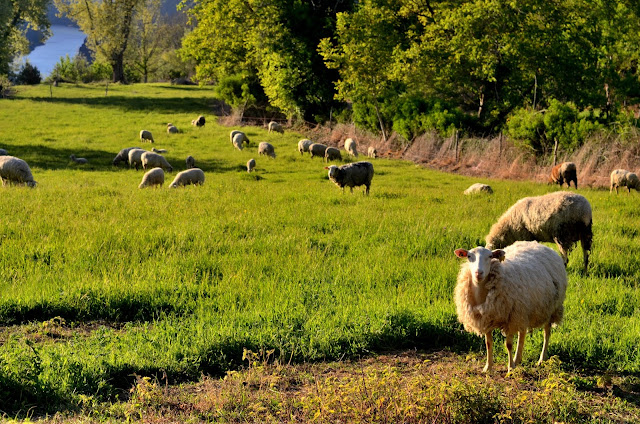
x: 100, y: 280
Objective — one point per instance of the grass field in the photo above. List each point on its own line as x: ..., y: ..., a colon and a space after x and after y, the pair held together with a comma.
x: 101, y: 282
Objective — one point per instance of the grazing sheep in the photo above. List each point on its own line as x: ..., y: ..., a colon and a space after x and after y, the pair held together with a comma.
x: 199, y: 121
x: 564, y: 172
x: 251, y: 165
x: 561, y: 217
x: 624, y: 178
x: 154, y: 160
x: 14, y: 170
x: 479, y: 188
x: 80, y: 161
x: 191, y: 162
x: 519, y: 288
x: 332, y: 154
x: 171, y: 129
x: 372, y: 152
x: 237, y: 141
x: 317, y: 149
x: 241, y: 137
x: 159, y: 150
x: 274, y: 126
x: 193, y: 176
x: 265, y: 148
x: 123, y: 155
x: 152, y: 178
x: 146, y: 136
x: 3, y: 152
x: 303, y: 145
x: 351, y: 147
x: 135, y: 157
x: 352, y: 175
x: 232, y: 134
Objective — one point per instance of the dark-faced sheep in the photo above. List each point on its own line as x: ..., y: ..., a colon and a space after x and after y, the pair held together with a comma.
x: 372, y: 152
x: 123, y: 156
x: 624, y: 178
x: 199, y: 121
x: 190, y: 162
x: 564, y: 172
x: 352, y: 175
x: 479, y: 188
x: 171, y: 129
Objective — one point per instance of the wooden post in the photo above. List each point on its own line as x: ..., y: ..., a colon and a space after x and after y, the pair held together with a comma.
x: 555, y: 152
x: 457, y: 138
x: 500, y: 146
x: 51, y: 91
x: 106, y: 90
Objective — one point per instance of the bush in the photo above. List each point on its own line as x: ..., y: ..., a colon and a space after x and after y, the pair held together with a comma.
x: 79, y: 69
x: 28, y: 75
x: 414, y: 115
x: 6, y: 88
x: 235, y: 90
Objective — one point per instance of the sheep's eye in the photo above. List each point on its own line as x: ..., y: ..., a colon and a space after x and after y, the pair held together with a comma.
x: 471, y: 258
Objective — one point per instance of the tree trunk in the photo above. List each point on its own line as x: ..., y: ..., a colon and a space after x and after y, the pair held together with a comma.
x: 384, y: 134
x: 117, y: 64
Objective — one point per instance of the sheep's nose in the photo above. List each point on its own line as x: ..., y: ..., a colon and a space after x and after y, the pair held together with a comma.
x: 479, y: 275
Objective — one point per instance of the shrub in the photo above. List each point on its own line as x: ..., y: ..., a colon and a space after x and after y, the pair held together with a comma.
x: 28, y: 75
x: 6, y: 88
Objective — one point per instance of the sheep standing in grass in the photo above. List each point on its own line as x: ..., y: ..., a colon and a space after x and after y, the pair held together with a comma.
x: 332, y: 154
x: 251, y: 165
x: 153, y: 160
x: 624, y: 178
x: 372, y: 152
x: 146, y: 136
x: 352, y: 175
x: 561, y: 217
x: 198, y: 122
x: 123, y: 155
x: 237, y: 141
x: 171, y: 129
x: 193, y: 176
x: 265, y: 148
x: 190, y: 162
x: 564, y: 172
x: 303, y: 145
x: 14, y: 170
x: 80, y: 161
x: 479, y: 188
x: 317, y: 149
x: 152, y: 178
x: 351, y: 147
x: 276, y: 127
x: 519, y: 288
x: 135, y: 158
x: 233, y: 134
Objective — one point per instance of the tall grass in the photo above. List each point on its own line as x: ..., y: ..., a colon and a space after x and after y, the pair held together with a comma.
x: 100, y: 280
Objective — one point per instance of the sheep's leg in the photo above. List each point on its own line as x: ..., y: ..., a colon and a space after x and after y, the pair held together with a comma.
x: 508, y: 342
x: 545, y: 344
x: 522, y: 334
x: 488, y: 340
x: 563, y: 252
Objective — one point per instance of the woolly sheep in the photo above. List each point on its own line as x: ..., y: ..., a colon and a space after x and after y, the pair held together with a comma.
x: 479, y: 188
x: 191, y: 162
x: 154, y: 160
x: 193, y: 176
x: 3, y: 152
x: 78, y: 160
x: 561, y: 217
x: 519, y: 288
x: 624, y: 178
x: 352, y: 175
x: 251, y: 165
x: 146, y: 136
x: 199, y: 121
x: 135, y: 157
x: 351, y: 147
x: 274, y: 126
x: 152, y: 178
x: 265, y: 148
x: 332, y: 154
x: 372, y: 152
x: 303, y: 145
x: 14, y: 170
x: 171, y: 129
x: 564, y: 172
x: 232, y: 134
x: 242, y: 137
x: 159, y: 150
x: 317, y: 149
x: 237, y: 141
x: 123, y: 155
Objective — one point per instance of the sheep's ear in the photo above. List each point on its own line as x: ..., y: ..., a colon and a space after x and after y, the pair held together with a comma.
x: 461, y: 253
x: 326, y: 167
x: 498, y: 254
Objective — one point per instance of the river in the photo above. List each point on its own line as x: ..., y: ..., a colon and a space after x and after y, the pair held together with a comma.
x: 64, y: 41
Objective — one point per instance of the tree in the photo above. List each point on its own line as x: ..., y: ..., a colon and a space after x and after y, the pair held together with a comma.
x: 146, y: 39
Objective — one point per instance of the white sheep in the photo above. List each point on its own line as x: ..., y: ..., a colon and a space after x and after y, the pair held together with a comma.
x: 265, y: 148
x: 80, y: 161
x: 237, y: 141
x: 317, y: 149
x: 331, y: 153
x: 251, y: 165
x: 519, y: 288
x: 624, y: 178
x: 198, y: 122
x: 372, y: 152
x: 190, y: 162
x: 352, y: 175
x: 478, y: 188
x: 146, y: 136
x: 171, y: 129
x: 303, y: 145
x: 561, y: 217
x: 123, y: 155
x: 14, y: 170
x: 276, y: 127
x: 239, y: 137
x: 152, y: 178
x: 193, y: 176
x: 351, y: 147
x: 154, y: 160
x: 232, y: 134
x: 159, y: 150
x: 135, y: 157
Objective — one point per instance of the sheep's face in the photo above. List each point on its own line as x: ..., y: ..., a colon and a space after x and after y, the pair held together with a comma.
x: 333, y: 171
x: 479, y: 261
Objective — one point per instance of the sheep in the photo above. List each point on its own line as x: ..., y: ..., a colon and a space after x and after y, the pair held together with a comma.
x: 479, y: 188
x: 135, y: 157
x: 564, y: 172
x: 352, y: 175
x: 190, y: 162
x: 351, y: 147
x: 624, y: 178
x: 198, y: 122
x: 14, y: 170
x: 80, y: 161
x: 265, y: 148
x: 154, y: 160
x: 159, y: 150
x: 276, y: 127
x: 242, y: 137
x: 251, y: 165
x: 171, y: 129
x: 193, y: 176
x: 152, y: 178
x: 303, y: 145
x: 3, y: 152
x: 372, y: 152
x: 519, y: 288
x: 317, y: 149
x: 237, y: 141
x: 146, y: 136
x: 123, y: 155
x: 561, y: 217
x: 332, y: 154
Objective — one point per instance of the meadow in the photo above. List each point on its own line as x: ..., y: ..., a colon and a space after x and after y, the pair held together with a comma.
x: 101, y: 282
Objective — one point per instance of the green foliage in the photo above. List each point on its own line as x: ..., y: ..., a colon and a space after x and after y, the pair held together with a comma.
x: 6, y: 87
x: 27, y: 75
x: 413, y: 115
x: 78, y: 69
x: 235, y: 91
x: 15, y: 17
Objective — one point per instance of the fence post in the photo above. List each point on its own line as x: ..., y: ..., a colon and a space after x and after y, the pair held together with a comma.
x: 457, y: 139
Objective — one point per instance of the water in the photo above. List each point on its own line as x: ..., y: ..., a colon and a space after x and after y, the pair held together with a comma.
x: 63, y: 41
